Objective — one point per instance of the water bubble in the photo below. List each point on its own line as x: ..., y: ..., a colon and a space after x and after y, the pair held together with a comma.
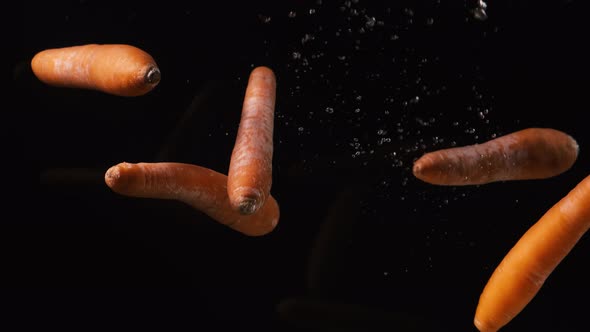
x: 329, y: 110
x: 307, y: 37
x: 264, y: 18
x: 479, y: 12
x: 429, y: 21
x: 370, y: 22
x: 296, y: 55
x: 292, y: 14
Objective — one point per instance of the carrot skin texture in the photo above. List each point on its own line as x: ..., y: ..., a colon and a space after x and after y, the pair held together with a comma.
x: 117, y: 69
x: 523, y: 271
x: 532, y: 153
x: 199, y: 187
x: 250, y: 169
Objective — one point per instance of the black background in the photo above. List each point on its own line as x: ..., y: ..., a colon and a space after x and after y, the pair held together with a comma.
x: 355, y: 227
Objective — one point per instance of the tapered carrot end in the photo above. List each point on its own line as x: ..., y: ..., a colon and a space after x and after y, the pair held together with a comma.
x: 264, y: 71
x: 482, y: 327
x: 421, y: 170
x: 248, y: 206
x: 417, y: 170
x: 153, y: 76
x: 260, y: 223
x: 117, y: 177
x: 112, y: 176
x: 246, y: 200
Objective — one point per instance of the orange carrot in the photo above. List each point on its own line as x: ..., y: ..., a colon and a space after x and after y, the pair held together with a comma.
x: 533, y: 153
x: 117, y: 69
x: 523, y: 271
x: 199, y: 187
x: 250, y: 169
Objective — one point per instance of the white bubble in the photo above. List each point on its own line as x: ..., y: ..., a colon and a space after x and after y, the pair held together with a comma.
x: 264, y: 18
x: 307, y: 37
x: 479, y: 13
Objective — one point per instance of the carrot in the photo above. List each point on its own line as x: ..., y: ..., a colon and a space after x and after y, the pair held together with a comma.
x: 250, y: 169
x: 523, y: 271
x: 117, y: 69
x: 532, y: 153
x: 199, y: 187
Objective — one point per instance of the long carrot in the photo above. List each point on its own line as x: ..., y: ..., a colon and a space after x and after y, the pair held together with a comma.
x: 250, y: 170
x: 116, y: 69
x: 532, y: 153
x: 199, y: 187
x: 523, y: 271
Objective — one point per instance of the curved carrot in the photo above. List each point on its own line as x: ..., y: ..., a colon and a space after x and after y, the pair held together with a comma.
x: 199, y: 187
x: 522, y: 272
x: 533, y: 153
x: 250, y: 169
x: 116, y: 69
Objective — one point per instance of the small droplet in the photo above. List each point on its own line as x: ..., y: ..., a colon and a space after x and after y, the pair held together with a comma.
x: 479, y: 12
x: 370, y: 22
x: 264, y: 18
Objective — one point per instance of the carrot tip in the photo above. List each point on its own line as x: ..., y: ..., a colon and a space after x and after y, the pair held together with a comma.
x: 248, y: 206
x: 481, y: 327
x: 112, y: 175
x: 416, y: 169
x: 153, y: 75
